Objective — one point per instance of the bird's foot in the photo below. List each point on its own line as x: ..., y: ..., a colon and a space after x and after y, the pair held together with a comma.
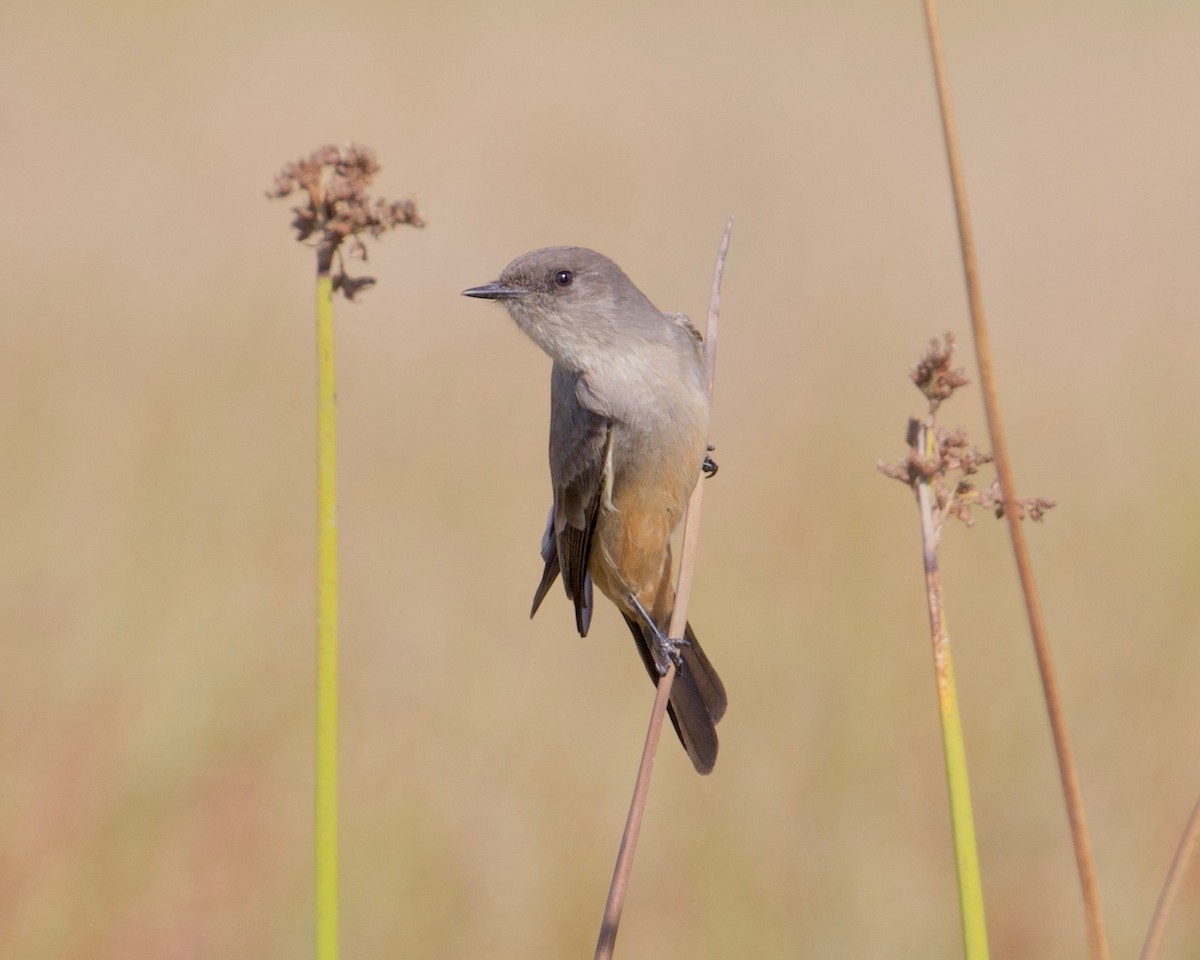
x: 668, y: 651
x: 665, y: 650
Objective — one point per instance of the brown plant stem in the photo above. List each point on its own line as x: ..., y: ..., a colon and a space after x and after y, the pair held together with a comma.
x: 1097, y: 941
x: 687, y: 562
x: 1175, y: 875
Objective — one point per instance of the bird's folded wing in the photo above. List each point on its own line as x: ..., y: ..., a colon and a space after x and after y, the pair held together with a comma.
x: 580, y: 450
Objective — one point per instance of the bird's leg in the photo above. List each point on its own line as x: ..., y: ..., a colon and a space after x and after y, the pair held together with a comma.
x: 664, y: 649
x: 710, y: 465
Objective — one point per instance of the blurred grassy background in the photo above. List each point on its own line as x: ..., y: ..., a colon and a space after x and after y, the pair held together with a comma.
x: 156, y: 377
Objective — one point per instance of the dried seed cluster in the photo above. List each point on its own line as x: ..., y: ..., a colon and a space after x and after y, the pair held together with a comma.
x: 338, y: 207
x: 949, y: 468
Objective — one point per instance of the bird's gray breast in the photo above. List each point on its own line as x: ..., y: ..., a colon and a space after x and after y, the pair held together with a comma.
x: 657, y: 405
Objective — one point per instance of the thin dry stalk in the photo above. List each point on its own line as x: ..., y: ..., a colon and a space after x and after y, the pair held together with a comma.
x: 1166, y: 899
x: 687, y: 562
x: 1097, y: 940
x: 633, y: 822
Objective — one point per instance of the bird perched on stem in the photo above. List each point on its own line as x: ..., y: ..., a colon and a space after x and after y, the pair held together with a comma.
x: 628, y: 442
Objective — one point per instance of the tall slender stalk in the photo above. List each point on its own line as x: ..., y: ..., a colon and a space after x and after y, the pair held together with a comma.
x: 326, y: 824
x: 1170, y: 890
x: 962, y: 821
x: 1072, y: 794
x: 615, y: 903
x: 336, y: 209
x: 942, y: 469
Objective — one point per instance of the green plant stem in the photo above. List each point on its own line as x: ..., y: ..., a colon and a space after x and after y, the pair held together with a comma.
x: 326, y: 821
x: 970, y: 886
x: 1068, y: 775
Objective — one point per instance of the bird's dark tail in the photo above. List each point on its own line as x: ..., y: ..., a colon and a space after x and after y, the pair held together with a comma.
x: 697, y: 696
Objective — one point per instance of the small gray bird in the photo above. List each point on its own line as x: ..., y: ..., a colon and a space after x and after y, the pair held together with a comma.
x: 628, y: 441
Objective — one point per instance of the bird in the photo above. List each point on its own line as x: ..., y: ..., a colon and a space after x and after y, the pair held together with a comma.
x: 629, y: 427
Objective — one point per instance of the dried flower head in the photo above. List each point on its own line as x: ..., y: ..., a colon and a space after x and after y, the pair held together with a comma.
x: 1032, y: 507
x: 947, y: 460
x: 338, y: 208
x: 933, y: 375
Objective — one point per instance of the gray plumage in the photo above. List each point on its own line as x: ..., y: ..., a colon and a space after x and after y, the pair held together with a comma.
x: 628, y: 437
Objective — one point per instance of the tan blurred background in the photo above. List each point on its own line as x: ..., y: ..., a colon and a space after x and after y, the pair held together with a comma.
x: 156, y: 397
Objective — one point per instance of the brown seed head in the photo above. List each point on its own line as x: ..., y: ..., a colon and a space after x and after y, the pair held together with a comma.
x: 338, y: 207
x: 933, y: 375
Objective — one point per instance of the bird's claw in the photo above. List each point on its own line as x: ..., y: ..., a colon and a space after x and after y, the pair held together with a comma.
x: 663, y: 649
x: 668, y: 651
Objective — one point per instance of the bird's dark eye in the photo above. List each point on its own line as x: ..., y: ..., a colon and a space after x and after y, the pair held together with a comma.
x: 564, y: 277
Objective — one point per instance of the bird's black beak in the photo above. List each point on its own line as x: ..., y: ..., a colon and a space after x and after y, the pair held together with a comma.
x: 495, y: 291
